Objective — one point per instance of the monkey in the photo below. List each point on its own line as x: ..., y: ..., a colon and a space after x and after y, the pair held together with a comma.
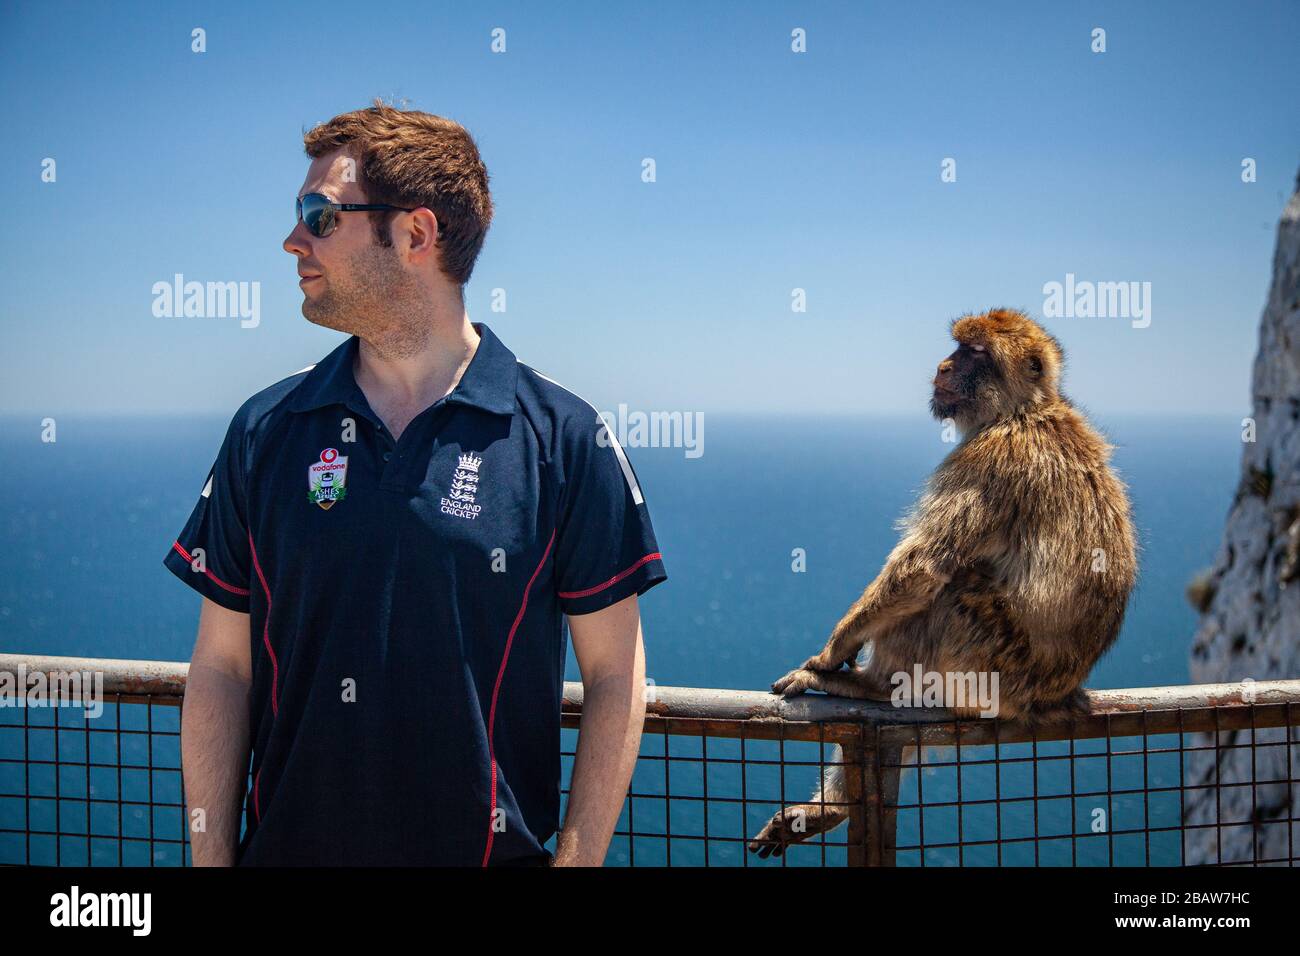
x: 1017, y: 559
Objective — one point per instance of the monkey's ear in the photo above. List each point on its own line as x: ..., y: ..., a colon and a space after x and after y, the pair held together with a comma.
x: 1035, y: 366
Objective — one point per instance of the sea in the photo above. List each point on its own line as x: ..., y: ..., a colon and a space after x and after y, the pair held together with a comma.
x: 768, y: 536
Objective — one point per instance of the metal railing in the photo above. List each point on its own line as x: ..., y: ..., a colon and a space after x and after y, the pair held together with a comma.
x: 1188, y: 775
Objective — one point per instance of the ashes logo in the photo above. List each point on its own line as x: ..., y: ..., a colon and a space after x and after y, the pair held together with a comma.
x: 327, y: 479
x: 464, y: 486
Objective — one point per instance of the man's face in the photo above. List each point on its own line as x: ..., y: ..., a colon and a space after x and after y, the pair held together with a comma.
x: 349, y: 281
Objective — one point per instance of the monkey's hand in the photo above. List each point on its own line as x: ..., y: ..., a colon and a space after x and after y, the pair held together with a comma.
x: 796, y: 682
x: 794, y: 825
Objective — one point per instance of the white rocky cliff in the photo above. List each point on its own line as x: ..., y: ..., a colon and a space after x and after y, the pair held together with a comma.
x: 1250, y: 599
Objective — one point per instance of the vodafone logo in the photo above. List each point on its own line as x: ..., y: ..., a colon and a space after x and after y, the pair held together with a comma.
x: 327, y: 479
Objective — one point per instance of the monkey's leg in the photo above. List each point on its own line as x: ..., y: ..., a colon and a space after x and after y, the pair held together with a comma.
x: 825, y: 811
x: 845, y: 641
x: 896, y: 594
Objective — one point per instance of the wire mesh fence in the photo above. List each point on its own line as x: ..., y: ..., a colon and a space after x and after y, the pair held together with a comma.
x: 104, y: 791
x: 1196, y: 775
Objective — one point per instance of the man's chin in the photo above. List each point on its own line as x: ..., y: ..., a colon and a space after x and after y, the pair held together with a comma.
x: 326, y: 318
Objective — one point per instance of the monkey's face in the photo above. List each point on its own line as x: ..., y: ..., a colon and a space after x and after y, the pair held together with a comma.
x: 959, y: 380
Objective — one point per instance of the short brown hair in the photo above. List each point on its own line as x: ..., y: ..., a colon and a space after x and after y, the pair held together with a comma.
x: 411, y: 159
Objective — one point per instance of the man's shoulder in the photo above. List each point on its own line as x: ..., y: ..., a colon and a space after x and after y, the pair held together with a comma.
x: 270, y: 403
x: 581, y: 434
x: 544, y: 390
x: 564, y: 410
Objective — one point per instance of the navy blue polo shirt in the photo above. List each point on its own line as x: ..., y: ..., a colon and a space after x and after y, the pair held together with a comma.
x: 406, y: 601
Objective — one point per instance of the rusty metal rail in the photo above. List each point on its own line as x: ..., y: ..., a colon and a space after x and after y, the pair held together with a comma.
x: 1155, y: 771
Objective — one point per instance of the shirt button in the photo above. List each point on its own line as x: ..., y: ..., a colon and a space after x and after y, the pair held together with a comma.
x: 387, y: 455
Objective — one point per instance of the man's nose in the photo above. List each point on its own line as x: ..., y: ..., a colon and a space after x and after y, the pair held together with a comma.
x: 296, y: 243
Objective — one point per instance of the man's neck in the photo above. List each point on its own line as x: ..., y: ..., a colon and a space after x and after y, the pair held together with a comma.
x: 404, y: 372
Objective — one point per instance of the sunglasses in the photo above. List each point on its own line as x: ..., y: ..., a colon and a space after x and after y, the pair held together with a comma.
x: 321, y: 215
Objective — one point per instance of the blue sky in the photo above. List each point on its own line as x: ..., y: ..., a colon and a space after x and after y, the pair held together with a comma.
x: 775, y: 171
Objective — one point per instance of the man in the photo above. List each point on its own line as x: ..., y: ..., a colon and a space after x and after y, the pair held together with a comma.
x: 388, y: 544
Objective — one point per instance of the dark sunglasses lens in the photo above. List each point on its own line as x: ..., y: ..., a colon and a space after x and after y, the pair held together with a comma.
x: 318, y: 213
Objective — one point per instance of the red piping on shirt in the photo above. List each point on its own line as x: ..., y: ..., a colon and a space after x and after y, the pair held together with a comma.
x: 220, y: 583
x: 614, y: 580
x: 496, y: 690
x: 266, y: 632
x: 275, y: 665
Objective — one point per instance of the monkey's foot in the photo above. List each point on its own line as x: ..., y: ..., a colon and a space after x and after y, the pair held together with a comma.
x: 794, y: 825
x: 797, y: 682
x: 855, y: 684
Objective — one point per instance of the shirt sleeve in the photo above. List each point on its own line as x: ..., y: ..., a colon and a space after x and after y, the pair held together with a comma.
x: 211, y: 554
x: 605, y: 547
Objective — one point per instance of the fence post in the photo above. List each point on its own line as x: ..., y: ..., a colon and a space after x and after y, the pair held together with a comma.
x: 886, y: 816
x: 871, y: 789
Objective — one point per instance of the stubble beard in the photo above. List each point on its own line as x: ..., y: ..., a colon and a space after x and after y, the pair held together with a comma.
x: 376, y: 300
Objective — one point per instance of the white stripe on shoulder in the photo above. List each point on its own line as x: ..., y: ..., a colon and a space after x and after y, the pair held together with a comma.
x: 623, y: 463
x: 301, y: 370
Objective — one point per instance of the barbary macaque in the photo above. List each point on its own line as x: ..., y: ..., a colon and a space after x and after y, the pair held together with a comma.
x: 1017, y: 560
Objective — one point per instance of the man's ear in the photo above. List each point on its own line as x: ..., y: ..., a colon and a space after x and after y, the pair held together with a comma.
x: 422, y: 233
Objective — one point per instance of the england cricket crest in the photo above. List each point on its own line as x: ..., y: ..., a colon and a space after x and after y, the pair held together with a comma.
x: 464, y: 488
x: 327, y: 479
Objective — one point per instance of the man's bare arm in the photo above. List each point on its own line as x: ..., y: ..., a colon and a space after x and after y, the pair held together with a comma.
x: 611, y: 657
x: 214, y: 732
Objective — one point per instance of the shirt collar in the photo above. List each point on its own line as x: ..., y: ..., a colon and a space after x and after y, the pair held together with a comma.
x: 488, y: 383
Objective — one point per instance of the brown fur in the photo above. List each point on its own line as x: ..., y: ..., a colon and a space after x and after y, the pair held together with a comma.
x: 995, y: 571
